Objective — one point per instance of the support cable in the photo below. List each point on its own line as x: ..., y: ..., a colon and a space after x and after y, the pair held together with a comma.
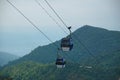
x: 50, y: 16
x: 80, y: 42
x: 30, y: 22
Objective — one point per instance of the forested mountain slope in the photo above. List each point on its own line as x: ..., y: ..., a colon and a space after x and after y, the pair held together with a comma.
x: 98, y: 41
x: 103, y: 44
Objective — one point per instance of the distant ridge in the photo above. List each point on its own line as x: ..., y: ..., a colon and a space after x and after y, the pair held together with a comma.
x: 6, y: 57
x: 98, y: 40
x: 88, y: 27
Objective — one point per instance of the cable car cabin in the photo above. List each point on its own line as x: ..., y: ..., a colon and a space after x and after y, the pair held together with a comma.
x: 66, y: 44
x: 60, y: 62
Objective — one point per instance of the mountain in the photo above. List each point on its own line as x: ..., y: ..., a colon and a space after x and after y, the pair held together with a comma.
x: 95, y: 56
x: 98, y: 41
x: 6, y: 57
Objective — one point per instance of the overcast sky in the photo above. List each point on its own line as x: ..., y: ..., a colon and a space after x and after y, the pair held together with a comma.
x: 19, y: 37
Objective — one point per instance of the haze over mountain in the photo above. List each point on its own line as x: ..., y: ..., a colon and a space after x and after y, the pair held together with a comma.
x: 6, y: 57
x: 103, y: 64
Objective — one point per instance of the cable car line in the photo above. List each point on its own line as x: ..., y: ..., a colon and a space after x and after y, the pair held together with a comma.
x: 60, y: 62
x: 56, y: 13
x: 68, y: 28
x: 62, y: 22
x: 69, y: 45
x: 50, y: 16
x: 30, y: 22
x: 53, y: 20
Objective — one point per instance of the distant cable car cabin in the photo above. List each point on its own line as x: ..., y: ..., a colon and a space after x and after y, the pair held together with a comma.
x: 66, y: 43
x: 60, y: 62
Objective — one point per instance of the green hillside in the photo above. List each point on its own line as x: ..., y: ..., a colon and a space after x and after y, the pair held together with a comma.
x: 80, y: 65
x: 97, y: 40
x: 35, y: 71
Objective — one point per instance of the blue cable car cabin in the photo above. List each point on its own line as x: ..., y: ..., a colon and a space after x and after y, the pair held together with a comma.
x: 66, y: 44
x: 60, y: 62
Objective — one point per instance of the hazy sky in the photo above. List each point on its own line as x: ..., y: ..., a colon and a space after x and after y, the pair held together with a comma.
x: 19, y: 37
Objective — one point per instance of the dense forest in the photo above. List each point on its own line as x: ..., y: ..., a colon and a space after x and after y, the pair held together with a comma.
x: 35, y: 71
x: 80, y: 65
